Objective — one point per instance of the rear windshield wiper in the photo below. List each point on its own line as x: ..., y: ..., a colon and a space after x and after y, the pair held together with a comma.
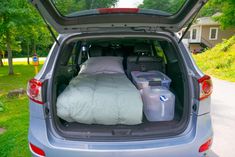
x: 48, y: 26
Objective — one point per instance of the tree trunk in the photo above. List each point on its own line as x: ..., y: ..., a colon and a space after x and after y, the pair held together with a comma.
x: 28, y: 53
x: 34, y: 47
x: 1, y: 63
x: 9, y: 54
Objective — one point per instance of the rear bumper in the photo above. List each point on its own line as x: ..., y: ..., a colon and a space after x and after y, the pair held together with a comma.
x: 184, y: 145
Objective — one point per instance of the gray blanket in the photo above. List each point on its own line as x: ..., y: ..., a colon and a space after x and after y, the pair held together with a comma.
x: 107, y: 99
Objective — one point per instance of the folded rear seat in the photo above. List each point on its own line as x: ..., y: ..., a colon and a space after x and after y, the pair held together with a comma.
x: 95, y: 51
x: 144, y: 61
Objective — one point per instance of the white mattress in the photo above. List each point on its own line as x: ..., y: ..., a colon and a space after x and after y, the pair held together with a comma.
x: 107, y: 99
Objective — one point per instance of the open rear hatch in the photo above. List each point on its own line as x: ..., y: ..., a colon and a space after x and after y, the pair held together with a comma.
x: 79, y: 16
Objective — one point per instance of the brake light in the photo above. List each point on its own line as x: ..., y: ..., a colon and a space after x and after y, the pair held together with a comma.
x: 206, y: 87
x: 204, y: 147
x: 34, y: 91
x: 117, y: 10
x: 37, y: 150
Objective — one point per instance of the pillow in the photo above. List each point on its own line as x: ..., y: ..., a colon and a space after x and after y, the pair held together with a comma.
x: 97, y: 65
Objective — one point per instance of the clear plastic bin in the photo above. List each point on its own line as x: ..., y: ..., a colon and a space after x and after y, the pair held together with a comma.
x: 150, y: 78
x: 159, y: 103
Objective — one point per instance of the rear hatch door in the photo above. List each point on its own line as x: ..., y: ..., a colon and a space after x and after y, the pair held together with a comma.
x: 68, y: 16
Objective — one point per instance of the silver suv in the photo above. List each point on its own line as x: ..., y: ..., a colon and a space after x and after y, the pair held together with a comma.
x: 145, y: 39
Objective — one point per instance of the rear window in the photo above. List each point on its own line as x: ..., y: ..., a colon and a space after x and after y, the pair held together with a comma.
x: 72, y: 8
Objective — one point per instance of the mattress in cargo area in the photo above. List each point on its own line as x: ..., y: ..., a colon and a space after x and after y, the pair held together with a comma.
x: 107, y: 99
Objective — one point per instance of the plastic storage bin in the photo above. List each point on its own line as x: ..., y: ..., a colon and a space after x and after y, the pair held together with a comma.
x: 159, y: 103
x: 150, y: 78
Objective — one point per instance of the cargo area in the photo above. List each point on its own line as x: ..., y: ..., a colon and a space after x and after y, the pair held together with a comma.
x: 120, y: 88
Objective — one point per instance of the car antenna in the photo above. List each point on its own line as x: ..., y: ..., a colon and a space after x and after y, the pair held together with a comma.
x: 48, y: 26
x: 190, y: 24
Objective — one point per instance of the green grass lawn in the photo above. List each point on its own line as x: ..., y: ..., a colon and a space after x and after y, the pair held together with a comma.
x: 14, y: 113
x: 219, y: 61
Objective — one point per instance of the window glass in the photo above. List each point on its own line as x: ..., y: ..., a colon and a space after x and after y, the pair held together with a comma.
x: 73, y: 7
x: 213, y: 33
x: 159, y: 50
x: 72, y: 59
x: 194, y: 34
x: 67, y: 53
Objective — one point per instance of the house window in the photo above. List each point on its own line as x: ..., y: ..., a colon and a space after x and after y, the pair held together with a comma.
x: 213, y: 33
x: 194, y: 34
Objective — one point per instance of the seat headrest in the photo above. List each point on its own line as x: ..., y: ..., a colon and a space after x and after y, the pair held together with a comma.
x: 142, y: 48
x: 95, y: 51
x: 144, y: 59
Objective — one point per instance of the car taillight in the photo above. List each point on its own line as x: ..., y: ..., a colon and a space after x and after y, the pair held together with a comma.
x: 204, y: 147
x: 37, y: 150
x: 206, y: 87
x: 117, y: 10
x: 34, y: 91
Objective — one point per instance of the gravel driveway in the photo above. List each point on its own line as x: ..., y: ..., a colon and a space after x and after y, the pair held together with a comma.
x: 223, y: 117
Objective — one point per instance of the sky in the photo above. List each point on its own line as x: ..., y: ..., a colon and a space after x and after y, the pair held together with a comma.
x: 128, y: 3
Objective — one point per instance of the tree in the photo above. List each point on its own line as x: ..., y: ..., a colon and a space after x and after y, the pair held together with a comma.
x: 19, y: 24
x: 227, y: 18
x: 169, y: 6
x: 12, y: 15
x: 93, y: 4
x: 37, y: 36
x: 225, y: 7
x: 209, y: 10
x: 1, y: 51
x: 67, y: 7
x: 1, y: 63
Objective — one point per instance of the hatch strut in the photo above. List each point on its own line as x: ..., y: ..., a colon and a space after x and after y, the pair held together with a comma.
x: 190, y: 24
x: 48, y: 26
